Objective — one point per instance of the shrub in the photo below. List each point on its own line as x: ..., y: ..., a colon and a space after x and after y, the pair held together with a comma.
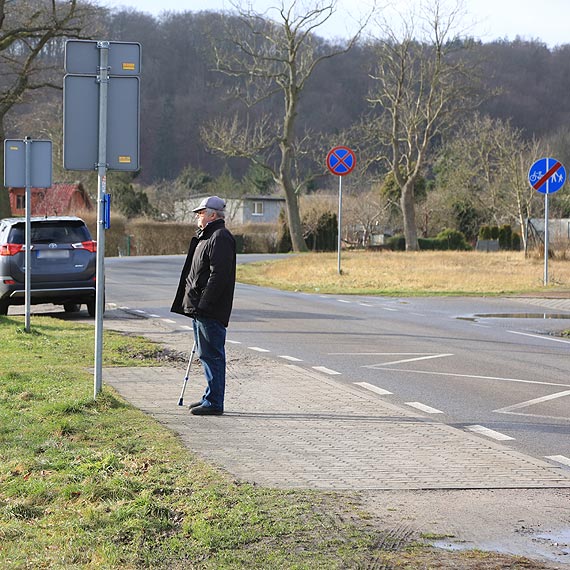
x: 455, y: 240
x: 446, y: 239
x: 505, y: 237
x: 256, y: 238
x: 485, y: 232
x: 516, y: 242
x: 115, y: 236
x: 159, y: 238
x: 396, y: 243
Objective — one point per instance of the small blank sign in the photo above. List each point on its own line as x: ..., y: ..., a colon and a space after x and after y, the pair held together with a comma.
x: 82, y: 58
x: 15, y: 163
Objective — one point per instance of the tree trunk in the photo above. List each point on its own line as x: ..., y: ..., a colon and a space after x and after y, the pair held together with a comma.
x: 293, y: 216
x: 409, y: 214
x: 5, y: 211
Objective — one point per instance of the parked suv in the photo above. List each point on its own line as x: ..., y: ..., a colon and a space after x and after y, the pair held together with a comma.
x: 63, y: 261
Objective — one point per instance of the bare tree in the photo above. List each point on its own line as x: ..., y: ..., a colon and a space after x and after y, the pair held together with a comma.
x: 486, y: 165
x: 274, y: 58
x: 29, y: 30
x: 422, y: 86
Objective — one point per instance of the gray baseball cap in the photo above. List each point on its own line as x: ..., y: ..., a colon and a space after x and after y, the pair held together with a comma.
x: 212, y: 202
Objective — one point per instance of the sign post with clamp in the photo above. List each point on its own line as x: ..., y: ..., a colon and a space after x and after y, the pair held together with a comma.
x: 546, y: 175
x: 101, y: 128
x: 340, y: 161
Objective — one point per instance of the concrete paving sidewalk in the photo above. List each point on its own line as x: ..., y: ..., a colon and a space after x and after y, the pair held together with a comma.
x: 290, y: 427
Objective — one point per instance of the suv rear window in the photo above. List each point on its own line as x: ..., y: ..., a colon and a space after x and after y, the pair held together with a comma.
x: 51, y: 232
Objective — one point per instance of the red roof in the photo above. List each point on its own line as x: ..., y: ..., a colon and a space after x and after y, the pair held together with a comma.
x: 60, y: 199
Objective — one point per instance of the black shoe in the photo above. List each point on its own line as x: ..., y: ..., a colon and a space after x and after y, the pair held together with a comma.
x: 206, y: 411
x: 195, y: 404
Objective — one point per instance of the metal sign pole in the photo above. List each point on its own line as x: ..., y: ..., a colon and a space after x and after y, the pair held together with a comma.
x: 103, y: 79
x: 28, y: 253
x: 339, y: 221
x: 546, y: 236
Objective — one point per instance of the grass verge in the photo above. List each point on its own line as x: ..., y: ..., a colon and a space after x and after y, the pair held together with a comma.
x: 410, y: 273
x: 97, y: 484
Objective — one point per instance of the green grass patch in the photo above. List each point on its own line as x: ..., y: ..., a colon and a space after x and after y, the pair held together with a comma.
x: 97, y: 484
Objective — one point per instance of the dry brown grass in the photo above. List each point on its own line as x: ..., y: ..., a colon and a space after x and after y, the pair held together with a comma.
x: 410, y: 273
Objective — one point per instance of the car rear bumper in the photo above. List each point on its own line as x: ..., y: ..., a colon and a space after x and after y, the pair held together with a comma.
x: 81, y: 291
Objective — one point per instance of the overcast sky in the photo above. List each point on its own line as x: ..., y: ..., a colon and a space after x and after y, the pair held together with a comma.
x: 546, y: 20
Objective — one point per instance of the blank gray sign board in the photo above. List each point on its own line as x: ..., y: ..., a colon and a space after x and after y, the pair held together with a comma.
x: 81, y: 123
x: 15, y: 163
x: 82, y: 58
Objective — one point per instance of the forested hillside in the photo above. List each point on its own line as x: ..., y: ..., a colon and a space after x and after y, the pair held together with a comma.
x: 520, y: 99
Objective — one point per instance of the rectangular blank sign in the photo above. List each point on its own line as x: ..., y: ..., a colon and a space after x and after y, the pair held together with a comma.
x: 81, y: 123
x: 15, y: 163
x: 82, y: 58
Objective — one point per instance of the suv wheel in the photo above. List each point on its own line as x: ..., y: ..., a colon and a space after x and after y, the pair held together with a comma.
x: 71, y: 307
x: 91, y: 305
x: 3, y: 308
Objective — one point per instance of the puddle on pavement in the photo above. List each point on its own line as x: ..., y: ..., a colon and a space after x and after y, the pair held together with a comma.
x: 476, y: 317
x: 559, y: 539
x: 551, y: 545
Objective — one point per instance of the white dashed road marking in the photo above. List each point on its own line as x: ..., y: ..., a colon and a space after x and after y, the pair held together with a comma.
x: 291, y: 358
x: 373, y: 388
x: 489, y: 433
x: 257, y: 349
x: 543, y: 337
x: 325, y: 370
x: 233, y: 341
x: 140, y: 311
x: 559, y: 459
x: 424, y: 408
x: 169, y: 321
x: 155, y: 316
x: 186, y: 327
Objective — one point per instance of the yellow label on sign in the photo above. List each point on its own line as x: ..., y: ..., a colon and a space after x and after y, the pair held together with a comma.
x: 129, y: 66
x: 14, y: 148
x: 124, y: 159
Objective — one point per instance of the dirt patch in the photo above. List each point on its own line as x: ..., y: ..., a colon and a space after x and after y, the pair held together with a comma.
x: 528, y: 523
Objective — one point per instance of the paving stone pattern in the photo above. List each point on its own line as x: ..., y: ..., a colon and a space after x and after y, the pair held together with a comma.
x: 289, y: 427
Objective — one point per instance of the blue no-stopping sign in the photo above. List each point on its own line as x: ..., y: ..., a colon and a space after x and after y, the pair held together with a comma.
x: 341, y: 160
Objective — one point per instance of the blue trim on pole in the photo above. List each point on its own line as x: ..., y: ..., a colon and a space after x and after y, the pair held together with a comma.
x: 107, y: 211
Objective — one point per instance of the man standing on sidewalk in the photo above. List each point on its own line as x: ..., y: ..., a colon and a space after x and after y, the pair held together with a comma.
x: 205, y: 293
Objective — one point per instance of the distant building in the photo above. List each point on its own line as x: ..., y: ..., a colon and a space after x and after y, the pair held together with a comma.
x: 59, y: 200
x: 245, y: 210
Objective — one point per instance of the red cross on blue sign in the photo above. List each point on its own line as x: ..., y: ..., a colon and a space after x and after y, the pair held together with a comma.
x: 341, y: 160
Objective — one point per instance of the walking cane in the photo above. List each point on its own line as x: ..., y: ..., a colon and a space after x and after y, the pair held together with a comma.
x: 181, y: 400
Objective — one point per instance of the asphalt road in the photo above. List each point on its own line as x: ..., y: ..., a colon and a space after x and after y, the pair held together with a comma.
x: 506, y: 378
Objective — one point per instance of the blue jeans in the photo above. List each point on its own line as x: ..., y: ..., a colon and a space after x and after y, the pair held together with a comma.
x: 210, y: 337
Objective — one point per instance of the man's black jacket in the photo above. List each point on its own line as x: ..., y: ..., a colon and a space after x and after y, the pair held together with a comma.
x: 207, y: 282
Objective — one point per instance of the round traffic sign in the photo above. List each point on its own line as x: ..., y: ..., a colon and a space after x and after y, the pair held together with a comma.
x: 341, y: 160
x: 547, y: 175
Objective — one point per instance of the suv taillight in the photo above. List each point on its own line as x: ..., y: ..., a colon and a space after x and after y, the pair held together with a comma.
x: 8, y: 249
x: 88, y: 245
